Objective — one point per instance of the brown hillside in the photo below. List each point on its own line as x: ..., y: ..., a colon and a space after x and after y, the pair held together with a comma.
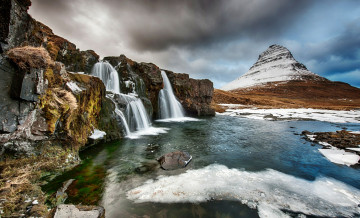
x: 294, y: 94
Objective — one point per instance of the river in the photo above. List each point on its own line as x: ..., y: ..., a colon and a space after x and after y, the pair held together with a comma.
x: 241, y: 167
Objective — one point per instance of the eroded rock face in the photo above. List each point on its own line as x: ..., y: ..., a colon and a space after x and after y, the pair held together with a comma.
x: 42, y: 106
x: 174, y: 160
x: 20, y: 29
x: 194, y: 95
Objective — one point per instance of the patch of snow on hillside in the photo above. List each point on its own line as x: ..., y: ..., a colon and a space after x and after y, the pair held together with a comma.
x: 297, y: 114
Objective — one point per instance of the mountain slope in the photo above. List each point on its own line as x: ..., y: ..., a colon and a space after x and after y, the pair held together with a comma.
x: 273, y: 65
x: 277, y: 80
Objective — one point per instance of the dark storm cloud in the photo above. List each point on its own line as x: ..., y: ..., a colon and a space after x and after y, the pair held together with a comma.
x: 213, y: 39
x: 160, y: 24
x: 346, y: 44
x: 337, y: 55
x: 156, y: 25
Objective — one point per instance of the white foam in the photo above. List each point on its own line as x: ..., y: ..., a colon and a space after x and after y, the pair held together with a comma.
x: 270, y: 191
x: 147, y: 131
x: 333, y: 116
x: 340, y: 156
x: 178, y: 119
x: 97, y: 134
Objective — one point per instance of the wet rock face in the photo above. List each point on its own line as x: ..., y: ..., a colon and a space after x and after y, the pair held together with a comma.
x: 174, y: 160
x: 194, y: 95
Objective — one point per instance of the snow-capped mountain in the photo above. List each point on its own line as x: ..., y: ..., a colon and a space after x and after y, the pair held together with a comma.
x: 273, y: 65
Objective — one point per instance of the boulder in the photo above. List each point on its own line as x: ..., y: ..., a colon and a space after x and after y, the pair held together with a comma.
x: 174, y: 160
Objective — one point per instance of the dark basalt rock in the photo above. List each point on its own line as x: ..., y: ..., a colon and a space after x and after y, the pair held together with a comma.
x: 174, y: 160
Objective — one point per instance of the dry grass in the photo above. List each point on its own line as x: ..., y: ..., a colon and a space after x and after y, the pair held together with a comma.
x: 30, y: 57
x: 19, y: 181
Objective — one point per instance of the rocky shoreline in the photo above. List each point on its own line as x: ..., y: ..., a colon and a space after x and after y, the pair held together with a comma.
x: 341, y: 147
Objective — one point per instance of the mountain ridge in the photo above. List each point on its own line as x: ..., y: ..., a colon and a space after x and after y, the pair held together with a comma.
x: 273, y: 65
x: 277, y: 80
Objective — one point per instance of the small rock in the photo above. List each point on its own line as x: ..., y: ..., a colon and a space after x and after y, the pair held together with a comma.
x: 35, y: 202
x: 174, y: 160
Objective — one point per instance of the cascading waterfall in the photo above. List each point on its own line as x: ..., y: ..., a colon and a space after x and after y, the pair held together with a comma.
x: 169, y: 106
x: 136, y: 116
x: 108, y: 75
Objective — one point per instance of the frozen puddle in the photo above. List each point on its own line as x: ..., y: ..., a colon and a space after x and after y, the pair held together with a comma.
x: 297, y: 114
x: 270, y: 192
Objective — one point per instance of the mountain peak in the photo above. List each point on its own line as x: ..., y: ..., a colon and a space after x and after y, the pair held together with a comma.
x: 275, y: 64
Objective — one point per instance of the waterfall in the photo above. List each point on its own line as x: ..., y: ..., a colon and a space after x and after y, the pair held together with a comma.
x: 169, y: 106
x: 134, y: 118
x: 108, y: 75
x: 136, y: 114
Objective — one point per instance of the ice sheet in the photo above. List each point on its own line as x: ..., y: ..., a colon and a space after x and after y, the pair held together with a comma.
x: 269, y: 191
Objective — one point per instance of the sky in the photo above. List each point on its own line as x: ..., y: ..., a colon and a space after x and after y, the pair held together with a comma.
x: 213, y: 39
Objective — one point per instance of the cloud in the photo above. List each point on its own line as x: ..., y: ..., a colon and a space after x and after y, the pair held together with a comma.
x: 159, y: 24
x: 351, y: 77
x: 214, y: 39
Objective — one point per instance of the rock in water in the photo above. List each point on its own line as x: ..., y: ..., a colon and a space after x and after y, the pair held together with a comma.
x: 174, y: 160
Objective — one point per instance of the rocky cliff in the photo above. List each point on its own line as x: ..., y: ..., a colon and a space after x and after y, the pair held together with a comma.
x: 146, y: 80
x: 20, y: 29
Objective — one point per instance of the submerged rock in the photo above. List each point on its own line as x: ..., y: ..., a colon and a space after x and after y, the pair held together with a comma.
x: 174, y: 160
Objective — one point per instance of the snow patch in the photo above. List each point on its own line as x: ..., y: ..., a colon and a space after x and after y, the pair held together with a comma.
x: 269, y: 191
x: 333, y: 116
x: 73, y: 87
x: 97, y: 134
x: 311, y: 137
x: 276, y: 64
x: 340, y: 156
x: 354, y: 149
x: 355, y: 132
